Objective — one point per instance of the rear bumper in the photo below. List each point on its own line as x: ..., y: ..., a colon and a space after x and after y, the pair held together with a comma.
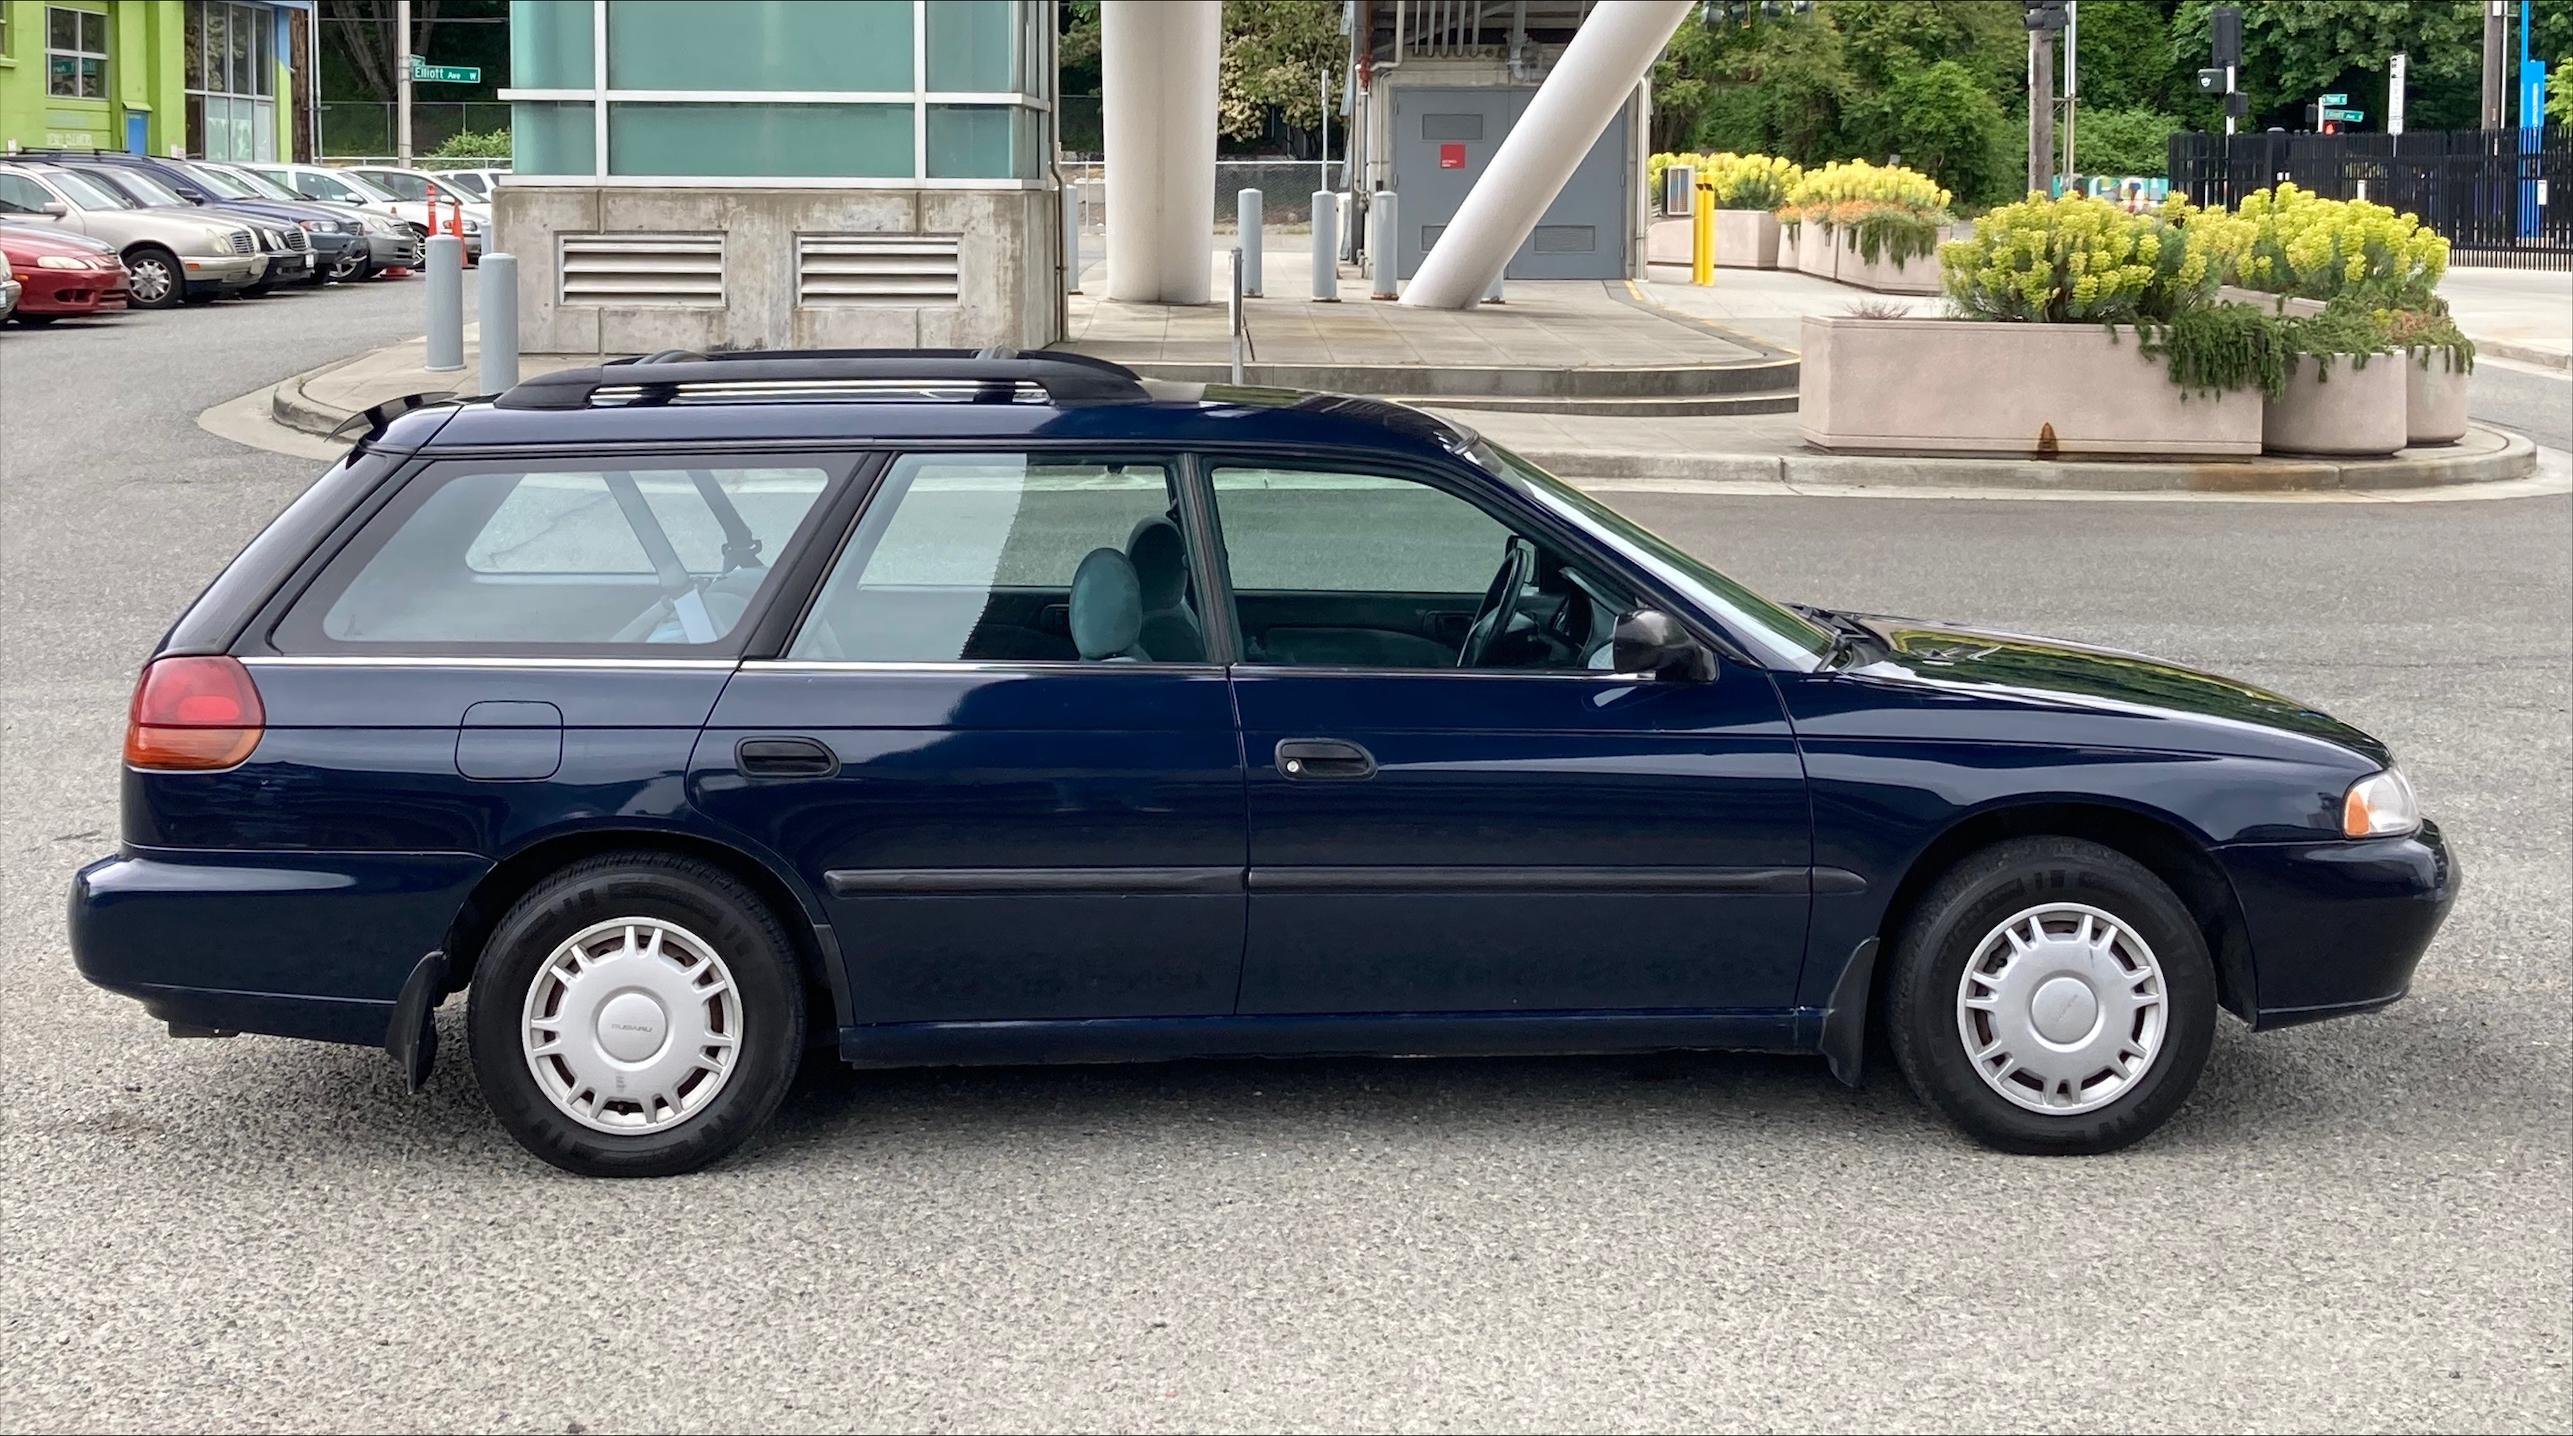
x: 313, y: 945
x: 2338, y: 927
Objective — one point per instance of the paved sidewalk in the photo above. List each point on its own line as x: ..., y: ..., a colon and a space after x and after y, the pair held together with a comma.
x: 2522, y: 315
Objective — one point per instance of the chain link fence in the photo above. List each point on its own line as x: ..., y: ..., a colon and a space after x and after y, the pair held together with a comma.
x: 363, y: 131
x: 1286, y: 188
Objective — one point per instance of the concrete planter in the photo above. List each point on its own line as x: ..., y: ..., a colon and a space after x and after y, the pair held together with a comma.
x: 2278, y: 304
x: 2434, y: 398
x: 1885, y: 274
x: 2353, y: 411
x: 1943, y: 386
x: 1815, y: 252
x: 1746, y: 239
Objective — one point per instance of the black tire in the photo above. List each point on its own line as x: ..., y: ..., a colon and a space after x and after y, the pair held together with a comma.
x: 36, y: 321
x: 172, y: 294
x: 1966, y: 906
x: 693, y: 895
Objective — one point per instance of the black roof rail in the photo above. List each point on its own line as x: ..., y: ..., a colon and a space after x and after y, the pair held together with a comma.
x: 1065, y: 378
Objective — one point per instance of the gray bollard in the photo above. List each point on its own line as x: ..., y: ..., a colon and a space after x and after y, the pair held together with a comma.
x: 1383, y: 262
x: 498, y: 315
x: 1326, y: 247
x: 1247, y: 217
x: 445, y: 296
x: 1072, y: 237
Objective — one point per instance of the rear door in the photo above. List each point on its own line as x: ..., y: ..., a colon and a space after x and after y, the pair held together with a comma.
x: 1000, y: 751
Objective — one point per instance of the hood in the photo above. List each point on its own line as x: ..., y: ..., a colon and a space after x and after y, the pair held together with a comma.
x: 18, y: 240
x: 283, y: 211
x: 204, y: 228
x: 2025, y: 671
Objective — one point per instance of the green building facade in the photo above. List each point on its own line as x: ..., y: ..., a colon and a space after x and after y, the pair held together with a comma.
x: 207, y: 78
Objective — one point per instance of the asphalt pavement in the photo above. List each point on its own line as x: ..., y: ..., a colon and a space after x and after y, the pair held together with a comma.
x: 2359, y: 1224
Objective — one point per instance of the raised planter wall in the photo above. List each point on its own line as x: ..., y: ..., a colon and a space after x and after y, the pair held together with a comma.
x: 2278, y: 304
x: 1746, y: 239
x: 1885, y: 274
x: 1815, y: 253
x: 2352, y: 411
x: 1938, y: 386
x: 2434, y: 398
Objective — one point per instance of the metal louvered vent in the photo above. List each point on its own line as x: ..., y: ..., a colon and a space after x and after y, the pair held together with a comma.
x: 643, y: 269
x: 906, y: 269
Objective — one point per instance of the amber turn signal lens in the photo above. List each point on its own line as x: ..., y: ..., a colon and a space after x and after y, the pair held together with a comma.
x: 2380, y: 805
x: 192, y: 714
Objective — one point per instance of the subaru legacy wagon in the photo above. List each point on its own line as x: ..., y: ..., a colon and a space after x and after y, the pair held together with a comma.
x: 690, y: 713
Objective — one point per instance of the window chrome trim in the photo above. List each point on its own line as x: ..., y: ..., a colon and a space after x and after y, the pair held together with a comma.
x: 449, y: 660
x: 1351, y: 670
x: 1032, y: 666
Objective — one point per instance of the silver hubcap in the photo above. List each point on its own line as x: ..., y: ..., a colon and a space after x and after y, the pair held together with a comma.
x: 2062, y: 1009
x: 632, y: 1025
x: 151, y: 281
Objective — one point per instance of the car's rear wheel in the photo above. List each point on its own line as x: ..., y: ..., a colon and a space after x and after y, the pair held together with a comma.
x: 155, y: 280
x: 2052, y: 996
x: 636, y: 1015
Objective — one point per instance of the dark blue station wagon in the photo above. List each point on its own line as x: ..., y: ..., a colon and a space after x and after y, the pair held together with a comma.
x: 969, y: 708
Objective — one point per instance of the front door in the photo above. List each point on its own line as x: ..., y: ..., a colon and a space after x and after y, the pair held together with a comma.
x: 998, y: 752
x: 1454, y: 805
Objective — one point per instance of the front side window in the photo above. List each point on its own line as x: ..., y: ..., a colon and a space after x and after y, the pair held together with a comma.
x: 496, y: 559
x: 1012, y: 558
x: 75, y: 54
x: 21, y: 195
x: 402, y: 185
x: 1339, y: 569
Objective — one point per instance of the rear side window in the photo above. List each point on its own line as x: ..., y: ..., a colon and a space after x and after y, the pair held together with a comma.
x: 497, y: 559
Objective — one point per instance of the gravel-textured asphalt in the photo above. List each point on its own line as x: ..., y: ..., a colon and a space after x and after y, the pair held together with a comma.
x: 2355, y: 1225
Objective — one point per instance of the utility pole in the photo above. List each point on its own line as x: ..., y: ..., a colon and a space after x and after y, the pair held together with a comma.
x: 402, y: 83
x: 2496, y: 86
x: 2044, y: 18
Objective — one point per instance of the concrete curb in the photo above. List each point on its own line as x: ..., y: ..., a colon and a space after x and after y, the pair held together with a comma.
x: 2524, y: 354
x: 2498, y: 457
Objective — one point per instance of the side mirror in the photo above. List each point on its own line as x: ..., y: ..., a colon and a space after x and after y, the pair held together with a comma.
x: 1651, y: 644
x: 54, y: 209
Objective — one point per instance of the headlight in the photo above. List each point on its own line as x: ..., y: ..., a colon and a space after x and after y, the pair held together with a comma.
x: 58, y: 261
x: 2380, y: 805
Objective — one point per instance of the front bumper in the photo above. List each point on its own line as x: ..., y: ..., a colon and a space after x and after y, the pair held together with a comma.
x: 2337, y: 927
x: 311, y: 945
x: 73, y: 291
x: 223, y: 272
x: 394, y: 251
x: 289, y: 266
x: 9, y: 292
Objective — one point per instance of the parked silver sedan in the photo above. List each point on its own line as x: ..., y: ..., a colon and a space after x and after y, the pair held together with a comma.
x: 172, y: 255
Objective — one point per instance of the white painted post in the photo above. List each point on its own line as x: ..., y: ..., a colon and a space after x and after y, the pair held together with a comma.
x: 1382, y: 261
x: 1071, y: 236
x: 1607, y: 59
x: 1158, y: 61
x: 1248, y: 222
x: 498, y: 315
x: 1326, y: 247
x: 445, y: 297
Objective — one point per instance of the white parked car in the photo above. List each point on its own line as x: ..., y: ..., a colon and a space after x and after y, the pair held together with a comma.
x: 476, y: 184
x: 352, y: 186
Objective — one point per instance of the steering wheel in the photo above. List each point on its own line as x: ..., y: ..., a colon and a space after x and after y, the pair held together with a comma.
x: 1500, y: 602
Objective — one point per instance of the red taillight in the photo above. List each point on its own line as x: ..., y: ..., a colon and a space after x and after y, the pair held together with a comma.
x: 193, y: 713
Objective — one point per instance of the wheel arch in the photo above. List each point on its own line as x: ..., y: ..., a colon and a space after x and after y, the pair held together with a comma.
x: 816, y: 951
x: 2162, y: 843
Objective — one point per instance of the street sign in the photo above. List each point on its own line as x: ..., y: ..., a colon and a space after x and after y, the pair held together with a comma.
x: 422, y: 72
x: 2336, y: 99
x: 2345, y: 116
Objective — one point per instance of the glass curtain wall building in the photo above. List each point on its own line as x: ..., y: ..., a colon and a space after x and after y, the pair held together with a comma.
x: 765, y: 173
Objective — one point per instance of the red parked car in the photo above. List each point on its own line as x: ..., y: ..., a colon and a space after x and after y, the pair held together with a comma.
x: 63, y: 274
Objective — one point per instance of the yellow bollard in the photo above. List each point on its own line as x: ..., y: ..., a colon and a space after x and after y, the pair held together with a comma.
x: 1702, y: 234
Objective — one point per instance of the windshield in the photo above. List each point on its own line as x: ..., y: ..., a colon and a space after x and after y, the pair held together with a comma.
x: 258, y: 184
x: 1782, y: 634
x: 221, y: 183
x: 88, y: 193
x: 147, y: 189
x: 364, y: 186
x: 468, y: 183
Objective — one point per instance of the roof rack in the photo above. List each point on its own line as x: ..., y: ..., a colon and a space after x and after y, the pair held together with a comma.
x: 995, y: 374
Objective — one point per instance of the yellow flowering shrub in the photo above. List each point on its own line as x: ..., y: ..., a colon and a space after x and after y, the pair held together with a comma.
x: 2072, y: 260
x: 1741, y: 181
x: 1817, y: 193
x: 2297, y: 242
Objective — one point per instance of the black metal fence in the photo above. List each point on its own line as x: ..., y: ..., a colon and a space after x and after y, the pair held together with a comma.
x: 2495, y: 204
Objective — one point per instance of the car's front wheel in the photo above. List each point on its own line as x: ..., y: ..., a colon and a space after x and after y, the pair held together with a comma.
x: 154, y: 279
x: 636, y: 1015
x: 2052, y: 996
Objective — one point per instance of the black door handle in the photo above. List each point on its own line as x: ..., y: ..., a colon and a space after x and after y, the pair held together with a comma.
x: 1324, y: 760
x: 784, y: 758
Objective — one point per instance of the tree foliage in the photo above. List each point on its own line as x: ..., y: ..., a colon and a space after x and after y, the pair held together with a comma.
x: 2123, y: 141
x: 1278, y: 53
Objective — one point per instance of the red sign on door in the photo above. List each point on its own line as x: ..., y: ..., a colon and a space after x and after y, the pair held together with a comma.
x: 1451, y: 156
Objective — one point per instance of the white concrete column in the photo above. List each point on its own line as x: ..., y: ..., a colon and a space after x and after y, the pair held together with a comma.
x: 1606, y: 60
x: 1158, y: 62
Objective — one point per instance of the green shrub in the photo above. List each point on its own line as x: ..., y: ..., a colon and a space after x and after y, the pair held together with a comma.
x: 468, y: 145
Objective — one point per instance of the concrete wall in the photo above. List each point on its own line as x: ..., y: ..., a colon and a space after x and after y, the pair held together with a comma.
x: 1009, y: 287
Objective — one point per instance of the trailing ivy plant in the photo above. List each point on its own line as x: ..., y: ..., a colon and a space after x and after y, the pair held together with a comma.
x: 2344, y: 330
x: 2217, y: 348
x: 2429, y: 332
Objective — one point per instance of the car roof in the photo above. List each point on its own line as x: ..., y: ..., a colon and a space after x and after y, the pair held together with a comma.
x: 1114, y: 408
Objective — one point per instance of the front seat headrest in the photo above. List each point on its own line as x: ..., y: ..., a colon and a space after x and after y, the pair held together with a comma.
x: 1107, y: 606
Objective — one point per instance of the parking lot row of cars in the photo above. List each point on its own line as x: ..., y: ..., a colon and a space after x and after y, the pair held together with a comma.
x: 87, y: 231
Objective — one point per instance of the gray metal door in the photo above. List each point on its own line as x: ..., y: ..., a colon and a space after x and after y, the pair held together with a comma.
x: 1444, y: 140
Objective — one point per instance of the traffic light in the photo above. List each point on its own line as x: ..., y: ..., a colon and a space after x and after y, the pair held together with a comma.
x: 2314, y: 117
x: 2211, y: 82
x: 2046, y: 15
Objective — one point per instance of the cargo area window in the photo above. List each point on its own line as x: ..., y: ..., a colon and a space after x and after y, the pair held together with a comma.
x: 494, y: 560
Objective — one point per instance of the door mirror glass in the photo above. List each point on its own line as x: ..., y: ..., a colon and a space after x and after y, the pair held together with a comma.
x: 1650, y: 643
x: 55, y: 209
